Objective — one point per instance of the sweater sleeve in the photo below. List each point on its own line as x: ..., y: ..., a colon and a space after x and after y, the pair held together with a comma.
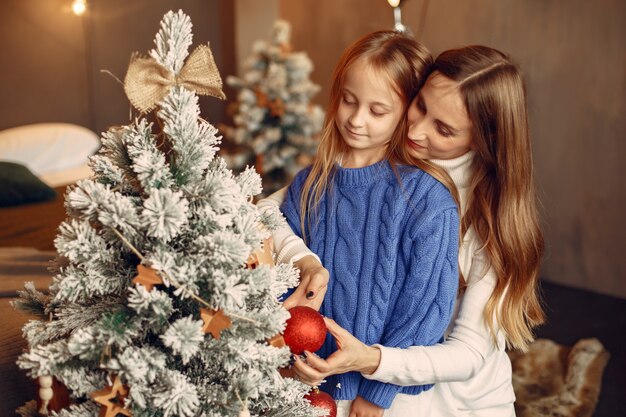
x: 426, y: 299
x: 290, y: 206
x: 464, y: 352
x: 288, y: 246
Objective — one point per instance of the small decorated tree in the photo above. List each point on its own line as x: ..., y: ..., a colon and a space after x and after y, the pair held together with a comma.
x: 276, y: 125
x: 154, y: 309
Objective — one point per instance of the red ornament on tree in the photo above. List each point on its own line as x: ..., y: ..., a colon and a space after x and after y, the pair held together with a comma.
x: 320, y: 399
x: 305, y: 330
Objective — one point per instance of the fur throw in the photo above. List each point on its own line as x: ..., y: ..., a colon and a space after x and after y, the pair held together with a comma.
x: 551, y: 380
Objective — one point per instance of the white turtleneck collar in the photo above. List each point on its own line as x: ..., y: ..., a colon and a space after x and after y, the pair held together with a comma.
x: 459, y: 169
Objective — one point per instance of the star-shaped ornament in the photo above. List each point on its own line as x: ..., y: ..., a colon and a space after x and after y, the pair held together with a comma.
x: 147, y: 277
x: 285, y: 48
x: 262, y: 256
x: 261, y: 98
x: 277, y: 108
x: 112, y: 399
x: 277, y: 341
x: 214, y: 321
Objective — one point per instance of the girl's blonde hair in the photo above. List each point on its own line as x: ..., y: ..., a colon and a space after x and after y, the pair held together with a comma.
x: 502, y: 204
x: 404, y: 62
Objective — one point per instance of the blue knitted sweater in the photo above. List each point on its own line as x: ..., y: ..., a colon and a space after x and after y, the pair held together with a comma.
x: 392, y: 252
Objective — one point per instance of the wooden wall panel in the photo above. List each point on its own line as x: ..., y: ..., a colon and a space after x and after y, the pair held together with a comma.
x: 323, y: 29
x: 254, y: 20
x: 573, y: 54
x: 42, y: 66
x: 52, y: 59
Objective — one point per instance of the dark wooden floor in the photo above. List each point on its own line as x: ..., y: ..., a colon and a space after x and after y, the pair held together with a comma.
x: 576, y: 314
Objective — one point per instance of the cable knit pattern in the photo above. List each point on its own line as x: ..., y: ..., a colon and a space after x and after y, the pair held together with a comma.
x: 348, y: 225
x: 391, y: 249
x: 385, y: 267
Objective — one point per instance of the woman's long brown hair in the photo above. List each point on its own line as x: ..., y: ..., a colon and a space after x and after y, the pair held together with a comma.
x: 502, y: 205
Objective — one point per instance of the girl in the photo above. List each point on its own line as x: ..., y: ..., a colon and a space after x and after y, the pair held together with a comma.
x: 469, y: 119
x: 386, y: 232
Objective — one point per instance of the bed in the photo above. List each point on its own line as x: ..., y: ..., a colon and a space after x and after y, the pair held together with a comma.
x: 57, y: 155
x: 53, y: 155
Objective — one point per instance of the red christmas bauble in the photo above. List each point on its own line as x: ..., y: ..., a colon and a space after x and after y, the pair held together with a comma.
x: 322, y: 400
x: 305, y: 330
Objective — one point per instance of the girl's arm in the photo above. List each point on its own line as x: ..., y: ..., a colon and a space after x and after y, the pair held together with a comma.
x: 291, y: 248
x: 288, y: 246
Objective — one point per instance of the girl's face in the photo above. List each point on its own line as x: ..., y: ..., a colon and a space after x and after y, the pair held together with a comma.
x: 439, y: 127
x: 368, y: 113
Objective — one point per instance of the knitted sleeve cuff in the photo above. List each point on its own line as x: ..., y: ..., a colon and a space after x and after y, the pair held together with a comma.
x: 293, y: 249
x: 272, y: 201
x: 378, y: 393
x: 289, y: 247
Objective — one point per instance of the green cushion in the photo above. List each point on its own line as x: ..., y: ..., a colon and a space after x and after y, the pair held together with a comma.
x: 20, y: 186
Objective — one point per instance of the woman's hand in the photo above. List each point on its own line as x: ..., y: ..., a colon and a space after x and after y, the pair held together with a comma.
x: 351, y: 355
x: 362, y: 408
x: 313, y: 283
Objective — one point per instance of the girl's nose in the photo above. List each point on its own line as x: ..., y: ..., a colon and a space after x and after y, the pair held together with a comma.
x: 357, y: 117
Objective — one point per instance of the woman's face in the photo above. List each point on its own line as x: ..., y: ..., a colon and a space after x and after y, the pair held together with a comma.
x: 368, y: 113
x: 439, y: 127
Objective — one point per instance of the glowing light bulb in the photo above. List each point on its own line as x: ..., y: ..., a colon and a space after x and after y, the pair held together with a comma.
x: 79, y: 7
x: 394, y: 3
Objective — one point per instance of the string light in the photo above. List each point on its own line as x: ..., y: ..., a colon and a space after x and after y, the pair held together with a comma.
x: 397, y: 17
x: 79, y: 7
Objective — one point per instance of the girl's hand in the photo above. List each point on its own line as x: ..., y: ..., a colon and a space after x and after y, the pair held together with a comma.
x: 313, y: 283
x: 362, y: 408
x: 351, y: 355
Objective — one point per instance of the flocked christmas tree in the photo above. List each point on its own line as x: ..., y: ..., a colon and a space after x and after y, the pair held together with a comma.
x: 152, y: 311
x: 274, y: 118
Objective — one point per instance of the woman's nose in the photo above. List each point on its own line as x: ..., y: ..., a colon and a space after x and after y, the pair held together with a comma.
x: 416, y: 130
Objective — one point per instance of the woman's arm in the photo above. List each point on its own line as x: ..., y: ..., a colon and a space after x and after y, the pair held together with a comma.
x: 470, y: 341
x: 459, y: 358
x: 426, y: 294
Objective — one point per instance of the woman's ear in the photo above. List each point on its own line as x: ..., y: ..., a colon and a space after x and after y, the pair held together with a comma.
x: 473, y: 145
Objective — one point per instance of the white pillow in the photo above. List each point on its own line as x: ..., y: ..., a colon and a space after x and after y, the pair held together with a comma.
x: 48, y: 147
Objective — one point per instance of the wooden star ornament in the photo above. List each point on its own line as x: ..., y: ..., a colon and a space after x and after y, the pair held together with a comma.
x: 147, y: 277
x: 277, y: 341
x: 261, y: 98
x: 285, y: 49
x: 112, y: 399
x: 277, y: 108
x: 214, y: 321
x: 262, y: 256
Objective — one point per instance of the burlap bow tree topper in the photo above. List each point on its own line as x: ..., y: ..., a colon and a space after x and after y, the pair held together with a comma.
x: 147, y: 82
